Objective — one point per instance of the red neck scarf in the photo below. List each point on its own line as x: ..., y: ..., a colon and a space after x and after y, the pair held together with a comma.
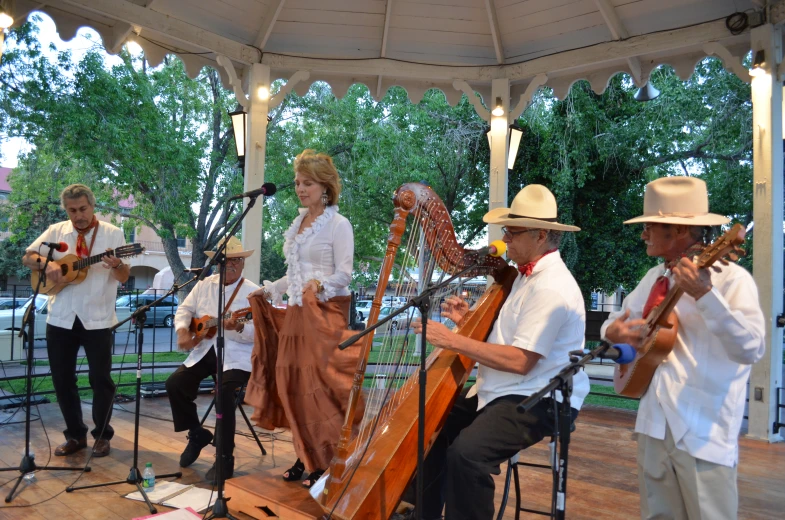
x: 82, y: 251
x: 660, y: 288
x: 526, y: 269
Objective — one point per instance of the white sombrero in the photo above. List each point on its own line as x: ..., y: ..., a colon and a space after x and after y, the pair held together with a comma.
x: 678, y: 200
x: 533, y: 207
x: 234, y: 249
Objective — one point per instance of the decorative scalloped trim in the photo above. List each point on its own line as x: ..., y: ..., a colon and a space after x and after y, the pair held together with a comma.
x: 291, y: 251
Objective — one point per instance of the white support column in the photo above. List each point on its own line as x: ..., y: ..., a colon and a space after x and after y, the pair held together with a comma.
x: 767, y: 131
x: 255, y: 147
x: 500, y: 89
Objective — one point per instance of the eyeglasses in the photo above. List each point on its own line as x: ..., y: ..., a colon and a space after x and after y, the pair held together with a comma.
x: 236, y: 260
x: 512, y: 234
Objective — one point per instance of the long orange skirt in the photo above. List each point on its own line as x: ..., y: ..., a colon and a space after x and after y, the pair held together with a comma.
x: 299, y: 378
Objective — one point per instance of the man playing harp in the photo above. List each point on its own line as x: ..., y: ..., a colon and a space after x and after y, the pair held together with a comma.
x: 541, y: 321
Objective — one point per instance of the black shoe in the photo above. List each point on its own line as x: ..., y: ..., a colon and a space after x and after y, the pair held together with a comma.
x: 295, y: 472
x: 313, y: 477
x: 228, y: 470
x: 197, y: 439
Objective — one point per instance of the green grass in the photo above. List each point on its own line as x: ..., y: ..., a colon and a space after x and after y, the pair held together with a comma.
x: 44, y: 384
x: 160, y: 357
x: 610, y: 401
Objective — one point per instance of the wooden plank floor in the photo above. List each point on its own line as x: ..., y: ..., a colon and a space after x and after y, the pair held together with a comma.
x: 602, y: 474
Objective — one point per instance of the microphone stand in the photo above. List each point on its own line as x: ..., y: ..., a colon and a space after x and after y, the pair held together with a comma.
x: 562, y: 382
x: 220, y: 508
x: 423, y: 304
x: 134, y: 475
x: 28, y: 464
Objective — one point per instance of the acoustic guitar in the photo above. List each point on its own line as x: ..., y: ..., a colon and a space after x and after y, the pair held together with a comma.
x: 74, y: 269
x: 662, y: 325
x: 207, y: 326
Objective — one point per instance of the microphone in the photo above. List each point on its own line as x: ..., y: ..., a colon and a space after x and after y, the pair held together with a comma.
x: 620, y: 353
x: 496, y: 248
x: 196, y: 271
x: 267, y: 189
x: 57, y: 246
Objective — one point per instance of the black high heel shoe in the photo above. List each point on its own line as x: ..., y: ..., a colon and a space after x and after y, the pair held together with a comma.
x: 295, y: 472
x: 313, y: 477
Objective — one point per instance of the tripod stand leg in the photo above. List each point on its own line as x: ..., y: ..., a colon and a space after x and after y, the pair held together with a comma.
x: 11, y: 494
x: 250, y: 427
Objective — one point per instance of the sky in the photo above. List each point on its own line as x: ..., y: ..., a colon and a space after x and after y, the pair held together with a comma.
x: 84, y: 40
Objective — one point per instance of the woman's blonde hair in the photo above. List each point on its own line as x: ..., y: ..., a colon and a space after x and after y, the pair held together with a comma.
x: 320, y: 168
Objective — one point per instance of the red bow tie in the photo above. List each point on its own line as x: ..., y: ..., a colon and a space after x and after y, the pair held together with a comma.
x: 526, y: 269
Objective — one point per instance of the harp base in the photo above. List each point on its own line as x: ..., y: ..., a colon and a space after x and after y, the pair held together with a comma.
x: 266, y: 496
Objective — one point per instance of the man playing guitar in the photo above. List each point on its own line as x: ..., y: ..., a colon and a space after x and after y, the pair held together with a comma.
x: 81, y: 315
x: 183, y: 385
x: 690, y: 415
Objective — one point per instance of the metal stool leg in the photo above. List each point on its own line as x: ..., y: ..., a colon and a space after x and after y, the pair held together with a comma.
x: 506, y: 492
x: 209, y: 408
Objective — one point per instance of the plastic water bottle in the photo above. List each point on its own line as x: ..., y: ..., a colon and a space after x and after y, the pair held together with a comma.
x: 148, y: 477
x: 30, y: 477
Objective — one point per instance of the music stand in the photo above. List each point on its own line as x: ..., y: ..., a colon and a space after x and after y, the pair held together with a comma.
x: 28, y: 464
x: 134, y: 475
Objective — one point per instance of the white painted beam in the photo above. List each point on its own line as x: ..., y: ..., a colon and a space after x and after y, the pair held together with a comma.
x: 493, y: 22
x: 121, y: 31
x: 266, y: 28
x: 500, y: 88
x: 383, y: 54
x: 767, y: 212
x: 619, y: 32
x: 611, y: 51
x: 148, y: 19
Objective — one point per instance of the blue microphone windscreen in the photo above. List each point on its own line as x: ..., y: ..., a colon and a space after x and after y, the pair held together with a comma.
x: 627, y: 353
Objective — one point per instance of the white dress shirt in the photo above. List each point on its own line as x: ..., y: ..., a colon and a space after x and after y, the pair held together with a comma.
x: 699, y: 391
x: 324, y: 252
x: 203, y: 301
x: 93, y: 300
x: 544, y: 313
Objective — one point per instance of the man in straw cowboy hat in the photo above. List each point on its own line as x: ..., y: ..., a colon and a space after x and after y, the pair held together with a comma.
x: 183, y: 385
x: 541, y: 321
x: 690, y: 416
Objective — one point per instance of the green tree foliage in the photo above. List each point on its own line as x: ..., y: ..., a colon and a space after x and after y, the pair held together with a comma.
x: 152, y: 134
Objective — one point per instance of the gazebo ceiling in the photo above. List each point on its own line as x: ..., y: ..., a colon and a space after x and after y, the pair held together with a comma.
x: 418, y: 44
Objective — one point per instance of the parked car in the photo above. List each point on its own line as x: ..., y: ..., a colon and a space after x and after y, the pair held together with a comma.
x: 12, y: 303
x: 161, y: 315
x: 402, y: 320
x: 363, y: 309
x: 11, y: 319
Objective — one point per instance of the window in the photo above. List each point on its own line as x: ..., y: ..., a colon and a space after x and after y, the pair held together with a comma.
x: 180, y: 242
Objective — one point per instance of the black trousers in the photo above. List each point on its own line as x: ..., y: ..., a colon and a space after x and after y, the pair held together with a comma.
x: 471, y: 447
x: 182, y: 387
x: 62, y: 345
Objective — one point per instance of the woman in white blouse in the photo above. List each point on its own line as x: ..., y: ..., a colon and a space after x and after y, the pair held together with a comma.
x: 300, y: 379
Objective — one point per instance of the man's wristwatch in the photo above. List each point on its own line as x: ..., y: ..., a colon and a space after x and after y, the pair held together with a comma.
x: 118, y: 265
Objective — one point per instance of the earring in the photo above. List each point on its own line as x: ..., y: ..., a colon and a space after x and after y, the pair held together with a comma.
x: 325, y: 200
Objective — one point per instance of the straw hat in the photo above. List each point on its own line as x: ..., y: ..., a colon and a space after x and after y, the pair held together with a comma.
x: 234, y: 249
x: 678, y: 200
x: 534, y: 206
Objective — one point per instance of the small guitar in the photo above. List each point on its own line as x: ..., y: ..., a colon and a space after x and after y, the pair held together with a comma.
x: 207, y: 326
x: 662, y: 325
x: 74, y: 269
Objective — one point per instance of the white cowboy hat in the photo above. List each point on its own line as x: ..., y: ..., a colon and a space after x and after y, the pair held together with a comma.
x: 234, y: 249
x: 678, y: 200
x: 533, y: 207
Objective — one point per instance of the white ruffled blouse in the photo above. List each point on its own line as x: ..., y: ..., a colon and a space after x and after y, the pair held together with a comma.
x: 323, y: 252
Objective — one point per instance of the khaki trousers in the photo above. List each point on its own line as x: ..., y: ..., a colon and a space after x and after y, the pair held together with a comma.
x: 674, y: 485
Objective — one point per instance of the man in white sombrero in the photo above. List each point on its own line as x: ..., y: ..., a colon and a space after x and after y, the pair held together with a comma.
x: 690, y: 416
x: 541, y: 321
x: 182, y: 386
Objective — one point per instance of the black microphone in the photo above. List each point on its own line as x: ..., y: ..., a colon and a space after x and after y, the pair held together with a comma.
x: 267, y: 189
x: 57, y: 246
x: 496, y: 248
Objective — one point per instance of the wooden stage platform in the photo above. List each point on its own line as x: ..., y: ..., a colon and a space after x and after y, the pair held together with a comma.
x: 602, y: 475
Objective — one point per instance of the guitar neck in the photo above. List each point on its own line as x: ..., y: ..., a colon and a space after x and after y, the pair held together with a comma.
x: 86, y: 262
